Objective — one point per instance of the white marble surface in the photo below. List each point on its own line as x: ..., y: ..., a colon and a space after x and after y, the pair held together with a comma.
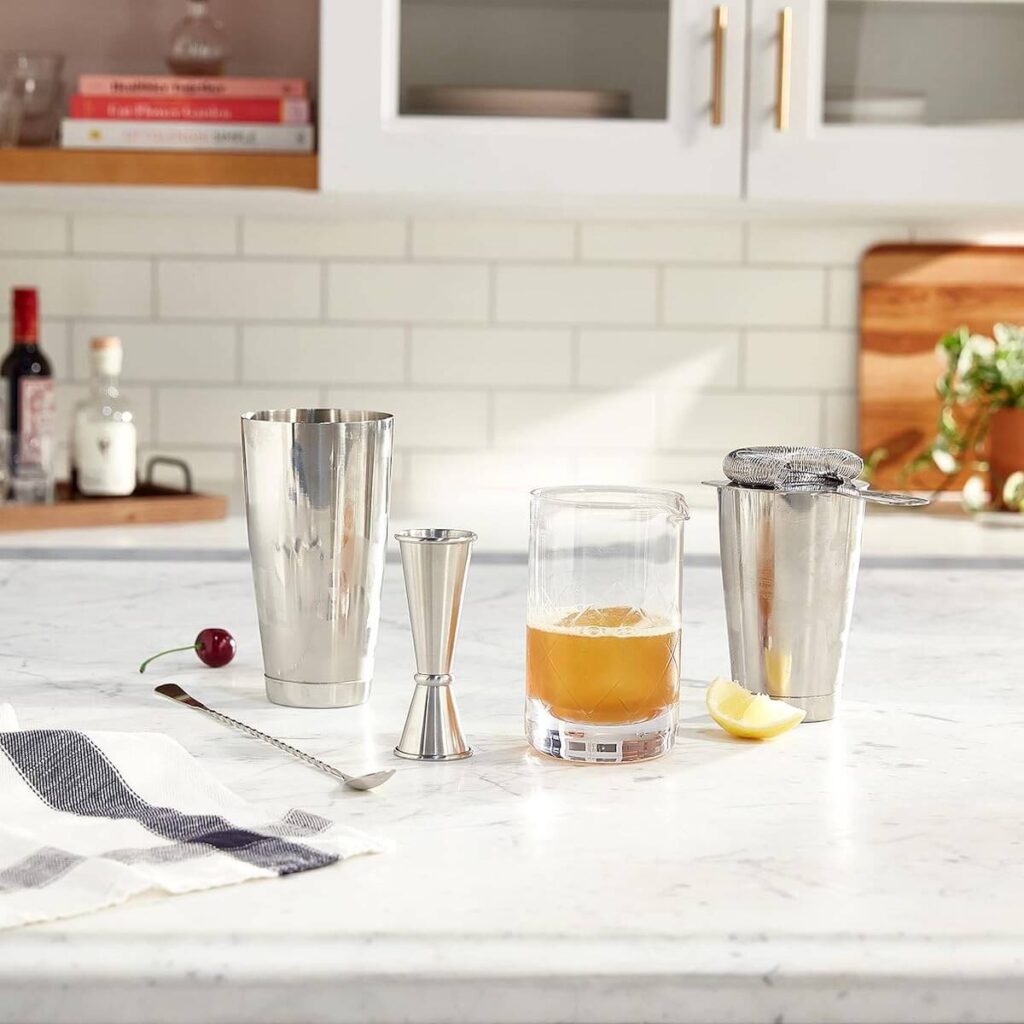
x: 503, y: 530
x: 868, y: 869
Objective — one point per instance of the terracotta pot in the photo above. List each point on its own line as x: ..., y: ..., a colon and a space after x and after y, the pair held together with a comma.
x: 1006, y: 449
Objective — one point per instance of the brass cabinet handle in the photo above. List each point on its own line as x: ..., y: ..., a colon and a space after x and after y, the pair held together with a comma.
x: 782, y: 68
x: 719, y: 23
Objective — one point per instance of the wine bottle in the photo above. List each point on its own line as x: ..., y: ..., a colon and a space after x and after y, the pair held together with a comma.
x: 30, y: 398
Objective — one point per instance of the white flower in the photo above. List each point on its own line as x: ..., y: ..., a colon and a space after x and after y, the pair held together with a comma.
x: 984, y: 348
x: 1007, y: 334
x: 977, y: 349
x: 1013, y: 491
x: 975, y: 493
x: 945, y: 461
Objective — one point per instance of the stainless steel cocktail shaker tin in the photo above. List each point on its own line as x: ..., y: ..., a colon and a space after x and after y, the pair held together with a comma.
x: 790, y: 523
x: 317, y: 491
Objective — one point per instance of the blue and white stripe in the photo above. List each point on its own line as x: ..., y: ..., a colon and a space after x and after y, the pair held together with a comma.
x: 76, y: 834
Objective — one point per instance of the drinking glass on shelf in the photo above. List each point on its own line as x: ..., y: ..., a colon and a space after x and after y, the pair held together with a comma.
x: 39, y: 77
x: 5, y: 462
x: 32, y: 472
x: 603, y: 622
x: 10, y: 109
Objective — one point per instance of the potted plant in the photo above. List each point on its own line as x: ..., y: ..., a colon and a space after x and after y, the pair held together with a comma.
x: 982, y: 392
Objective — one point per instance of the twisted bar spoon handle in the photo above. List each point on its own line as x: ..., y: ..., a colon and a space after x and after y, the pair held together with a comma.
x: 361, y: 782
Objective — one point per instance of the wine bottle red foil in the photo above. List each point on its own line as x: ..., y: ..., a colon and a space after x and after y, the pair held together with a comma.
x: 29, y: 383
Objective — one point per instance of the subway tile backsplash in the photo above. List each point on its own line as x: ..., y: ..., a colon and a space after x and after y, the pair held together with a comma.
x: 515, y: 351
x: 306, y: 238
x: 358, y: 355
x: 658, y: 358
x: 697, y: 421
x: 83, y: 287
x: 482, y: 355
x: 425, y: 418
x: 822, y: 360
x: 123, y: 234
x: 429, y: 292
x: 492, y: 240
x: 161, y: 352
x: 33, y: 232
x: 662, y: 243
x: 751, y: 296
x: 817, y: 245
x: 236, y: 290
x: 575, y: 295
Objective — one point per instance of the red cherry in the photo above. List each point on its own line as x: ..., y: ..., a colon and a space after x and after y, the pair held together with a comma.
x: 215, y: 647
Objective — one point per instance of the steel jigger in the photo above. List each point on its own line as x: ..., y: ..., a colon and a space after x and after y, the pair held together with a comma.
x: 435, y: 564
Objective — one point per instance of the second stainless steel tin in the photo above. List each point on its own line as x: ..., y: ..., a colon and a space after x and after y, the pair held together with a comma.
x: 317, y: 491
x: 789, y: 568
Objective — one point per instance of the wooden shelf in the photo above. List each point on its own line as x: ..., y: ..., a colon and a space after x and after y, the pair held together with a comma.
x: 150, y: 503
x: 147, y: 167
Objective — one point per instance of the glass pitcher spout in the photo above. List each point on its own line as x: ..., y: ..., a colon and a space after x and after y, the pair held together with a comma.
x: 622, y: 498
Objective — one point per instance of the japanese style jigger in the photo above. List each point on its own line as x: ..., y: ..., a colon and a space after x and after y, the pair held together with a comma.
x: 435, y: 564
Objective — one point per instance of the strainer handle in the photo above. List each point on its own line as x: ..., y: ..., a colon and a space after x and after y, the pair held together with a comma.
x: 885, y: 497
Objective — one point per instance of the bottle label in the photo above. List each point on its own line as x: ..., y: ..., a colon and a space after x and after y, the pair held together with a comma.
x: 105, y: 457
x: 35, y: 420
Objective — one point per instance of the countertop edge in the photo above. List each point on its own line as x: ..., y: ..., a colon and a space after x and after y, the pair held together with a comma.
x: 513, y: 979
x: 698, y: 560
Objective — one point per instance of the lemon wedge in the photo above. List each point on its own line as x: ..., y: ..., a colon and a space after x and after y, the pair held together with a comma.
x: 749, y: 715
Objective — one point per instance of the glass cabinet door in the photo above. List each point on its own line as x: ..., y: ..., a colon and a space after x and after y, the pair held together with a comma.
x: 919, y: 62
x: 567, y: 96
x: 576, y: 60
x: 887, y: 100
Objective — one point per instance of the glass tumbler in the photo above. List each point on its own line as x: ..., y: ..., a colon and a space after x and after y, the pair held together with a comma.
x: 5, y: 461
x: 603, y: 622
x: 40, y: 79
x: 11, y: 101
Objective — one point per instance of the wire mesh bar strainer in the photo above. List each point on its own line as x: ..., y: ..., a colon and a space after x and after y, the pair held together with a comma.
x: 783, y: 467
x: 796, y: 468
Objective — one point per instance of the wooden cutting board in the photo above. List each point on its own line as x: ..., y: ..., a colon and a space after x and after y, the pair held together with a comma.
x: 910, y: 295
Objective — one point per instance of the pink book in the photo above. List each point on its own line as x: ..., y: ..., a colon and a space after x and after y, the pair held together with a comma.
x: 193, y: 88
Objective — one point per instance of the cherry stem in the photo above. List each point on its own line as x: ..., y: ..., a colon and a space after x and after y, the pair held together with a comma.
x: 170, y: 650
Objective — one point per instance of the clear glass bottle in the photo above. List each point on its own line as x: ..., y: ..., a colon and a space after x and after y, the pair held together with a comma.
x: 104, y: 442
x: 198, y: 44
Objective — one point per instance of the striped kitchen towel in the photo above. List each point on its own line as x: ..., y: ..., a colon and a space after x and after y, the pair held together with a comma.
x: 89, y: 819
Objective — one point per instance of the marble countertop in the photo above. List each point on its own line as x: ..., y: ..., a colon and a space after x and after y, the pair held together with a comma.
x: 503, y: 532
x: 867, y: 869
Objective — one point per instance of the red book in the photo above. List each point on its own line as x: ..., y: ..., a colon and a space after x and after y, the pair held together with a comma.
x: 176, y: 108
x: 194, y: 88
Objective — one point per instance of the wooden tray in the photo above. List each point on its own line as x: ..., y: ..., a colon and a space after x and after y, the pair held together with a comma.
x: 151, y: 503
x: 910, y: 295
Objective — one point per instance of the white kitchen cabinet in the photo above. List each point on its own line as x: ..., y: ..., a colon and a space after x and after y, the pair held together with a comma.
x: 886, y: 101
x: 670, y: 57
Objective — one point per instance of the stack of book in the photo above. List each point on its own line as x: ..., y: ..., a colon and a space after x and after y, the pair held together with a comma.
x: 198, y: 114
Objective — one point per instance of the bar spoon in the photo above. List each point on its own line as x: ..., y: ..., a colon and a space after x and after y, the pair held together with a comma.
x: 362, y: 782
